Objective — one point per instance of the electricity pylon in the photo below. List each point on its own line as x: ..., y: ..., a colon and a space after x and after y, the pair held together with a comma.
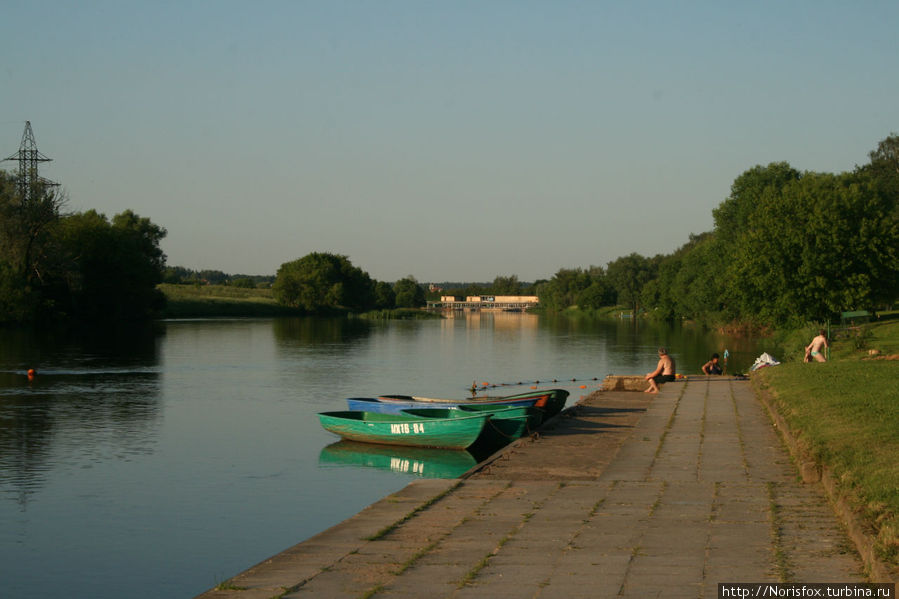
x: 28, y: 158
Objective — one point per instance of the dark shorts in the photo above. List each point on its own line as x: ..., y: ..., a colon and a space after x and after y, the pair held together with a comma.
x: 663, y: 378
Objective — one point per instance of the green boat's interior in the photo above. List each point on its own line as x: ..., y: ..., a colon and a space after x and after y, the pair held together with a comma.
x: 503, y: 412
x: 429, y: 413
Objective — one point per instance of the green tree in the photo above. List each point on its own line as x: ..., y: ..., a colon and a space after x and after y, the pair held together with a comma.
x: 688, y: 283
x: 884, y: 170
x: 385, y: 298
x: 322, y: 281
x: 506, y: 285
x: 564, y: 289
x: 26, y: 227
x: 27, y: 253
x: 628, y: 275
x: 597, y: 295
x: 409, y: 294
x: 732, y: 216
x: 820, y: 245
x: 243, y: 283
x: 110, y: 269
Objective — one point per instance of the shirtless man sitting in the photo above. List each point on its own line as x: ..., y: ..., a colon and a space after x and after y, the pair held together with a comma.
x: 815, y: 349
x: 664, y: 372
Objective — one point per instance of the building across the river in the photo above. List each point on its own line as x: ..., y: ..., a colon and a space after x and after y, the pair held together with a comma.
x: 485, y: 302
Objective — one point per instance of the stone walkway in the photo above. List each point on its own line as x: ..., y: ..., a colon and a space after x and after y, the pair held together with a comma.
x: 694, y: 489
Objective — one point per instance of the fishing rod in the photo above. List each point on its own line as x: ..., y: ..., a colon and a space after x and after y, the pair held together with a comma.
x: 483, y: 386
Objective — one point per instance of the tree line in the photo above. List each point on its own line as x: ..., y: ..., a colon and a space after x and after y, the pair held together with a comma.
x: 787, y: 247
x: 322, y: 282
x: 180, y: 275
x: 82, y: 265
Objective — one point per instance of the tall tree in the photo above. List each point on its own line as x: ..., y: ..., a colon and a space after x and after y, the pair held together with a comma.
x: 564, y: 289
x: 884, y: 170
x: 820, y: 245
x: 111, y: 269
x: 26, y: 226
x: 322, y: 281
x: 506, y: 285
x: 409, y: 294
x: 385, y: 297
x: 628, y: 275
x: 732, y: 216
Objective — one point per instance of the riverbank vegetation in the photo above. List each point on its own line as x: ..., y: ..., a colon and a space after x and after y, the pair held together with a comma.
x: 80, y: 266
x: 220, y: 301
x: 845, y: 414
x: 788, y: 247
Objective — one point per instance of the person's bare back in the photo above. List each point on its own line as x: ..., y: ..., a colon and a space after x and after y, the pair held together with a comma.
x: 663, y: 373
x: 815, y: 349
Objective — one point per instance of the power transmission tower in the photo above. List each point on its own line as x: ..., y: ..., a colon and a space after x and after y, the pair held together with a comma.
x: 28, y: 158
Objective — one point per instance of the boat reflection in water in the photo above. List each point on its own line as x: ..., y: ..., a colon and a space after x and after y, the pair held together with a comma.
x: 425, y: 462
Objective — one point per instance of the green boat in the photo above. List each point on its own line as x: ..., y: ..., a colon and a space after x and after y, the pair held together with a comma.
x: 510, y: 421
x: 506, y: 423
x: 456, y: 432
x: 553, y: 403
x: 424, y: 462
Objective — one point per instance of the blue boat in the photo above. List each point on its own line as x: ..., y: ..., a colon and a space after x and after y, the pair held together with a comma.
x: 374, y: 404
x: 551, y: 401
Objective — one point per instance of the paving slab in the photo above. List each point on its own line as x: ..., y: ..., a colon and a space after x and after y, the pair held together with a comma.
x: 626, y: 494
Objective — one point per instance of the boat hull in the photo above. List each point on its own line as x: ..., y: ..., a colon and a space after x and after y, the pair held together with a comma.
x: 405, y: 429
x: 552, y: 403
x: 506, y: 423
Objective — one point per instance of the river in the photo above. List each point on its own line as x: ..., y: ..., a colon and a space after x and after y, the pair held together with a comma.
x: 157, y: 461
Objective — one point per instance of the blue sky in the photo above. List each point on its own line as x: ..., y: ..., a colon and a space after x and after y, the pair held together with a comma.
x: 444, y: 140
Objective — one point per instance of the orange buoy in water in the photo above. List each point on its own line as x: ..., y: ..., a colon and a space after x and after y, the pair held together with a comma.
x: 583, y: 386
x: 31, y: 372
x: 533, y: 386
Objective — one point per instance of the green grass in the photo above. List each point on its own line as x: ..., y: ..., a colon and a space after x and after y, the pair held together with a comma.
x: 211, y: 301
x: 846, y: 414
x: 208, y: 301
x: 847, y: 342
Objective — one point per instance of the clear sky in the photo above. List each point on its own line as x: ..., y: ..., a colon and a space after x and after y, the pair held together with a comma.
x: 453, y: 140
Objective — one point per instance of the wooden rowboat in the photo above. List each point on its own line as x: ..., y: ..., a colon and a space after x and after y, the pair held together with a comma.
x: 456, y: 432
x: 508, y: 422
x: 396, y: 406
x: 551, y: 401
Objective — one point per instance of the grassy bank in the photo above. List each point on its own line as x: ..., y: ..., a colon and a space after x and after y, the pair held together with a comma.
x: 845, y: 414
x: 217, y: 301
x: 211, y: 301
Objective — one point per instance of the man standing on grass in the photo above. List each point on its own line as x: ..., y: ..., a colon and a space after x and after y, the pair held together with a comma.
x: 815, y: 349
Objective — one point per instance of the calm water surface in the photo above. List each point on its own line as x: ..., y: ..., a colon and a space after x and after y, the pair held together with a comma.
x: 159, y: 461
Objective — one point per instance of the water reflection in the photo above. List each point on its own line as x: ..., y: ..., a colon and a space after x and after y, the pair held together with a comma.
x: 633, y: 343
x: 186, y: 447
x: 94, y: 395
x: 320, y: 332
x: 424, y: 462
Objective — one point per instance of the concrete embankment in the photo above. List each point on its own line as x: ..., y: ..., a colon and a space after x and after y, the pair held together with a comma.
x: 628, y: 494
